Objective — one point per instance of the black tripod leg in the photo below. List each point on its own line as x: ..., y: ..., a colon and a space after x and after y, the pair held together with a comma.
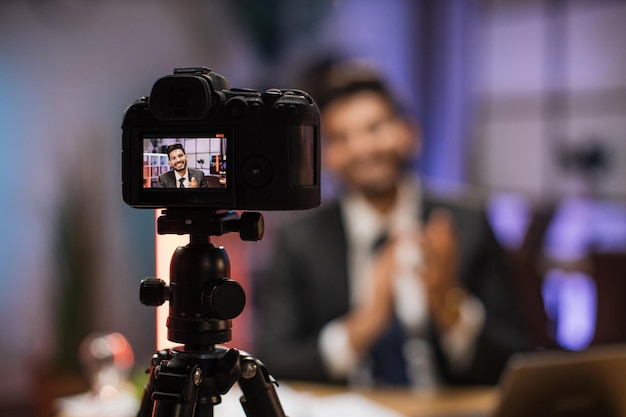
x: 147, y: 404
x: 259, y: 394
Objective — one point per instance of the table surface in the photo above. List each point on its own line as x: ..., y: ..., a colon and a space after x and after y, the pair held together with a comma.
x: 418, y: 403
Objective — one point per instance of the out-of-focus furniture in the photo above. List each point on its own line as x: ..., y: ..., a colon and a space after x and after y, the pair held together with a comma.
x: 609, y: 272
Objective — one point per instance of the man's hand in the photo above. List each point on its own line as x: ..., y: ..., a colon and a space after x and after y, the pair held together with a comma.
x: 373, y: 313
x: 368, y: 320
x: 439, y: 273
x: 193, y: 183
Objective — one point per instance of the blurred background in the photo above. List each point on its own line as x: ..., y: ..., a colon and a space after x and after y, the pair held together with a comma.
x: 522, y: 103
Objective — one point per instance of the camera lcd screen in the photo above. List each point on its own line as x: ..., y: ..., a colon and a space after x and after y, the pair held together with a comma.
x: 185, y: 163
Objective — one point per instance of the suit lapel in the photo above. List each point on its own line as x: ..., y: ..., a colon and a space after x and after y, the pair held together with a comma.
x: 335, y: 258
x: 191, y: 174
x: 171, y: 179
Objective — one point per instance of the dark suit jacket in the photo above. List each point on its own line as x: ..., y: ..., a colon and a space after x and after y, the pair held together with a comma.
x: 307, y: 286
x: 168, y: 179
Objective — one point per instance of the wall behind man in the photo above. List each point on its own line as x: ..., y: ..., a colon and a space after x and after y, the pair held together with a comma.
x: 552, y: 80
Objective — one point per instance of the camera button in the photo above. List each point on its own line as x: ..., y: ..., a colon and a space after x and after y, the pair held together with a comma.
x: 236, y: 107
x: 257, y: 171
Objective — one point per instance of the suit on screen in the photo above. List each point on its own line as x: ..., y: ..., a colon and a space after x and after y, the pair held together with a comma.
x: 168, y: 179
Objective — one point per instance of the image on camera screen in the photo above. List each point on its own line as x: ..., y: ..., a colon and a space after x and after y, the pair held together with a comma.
x: 198, y: 162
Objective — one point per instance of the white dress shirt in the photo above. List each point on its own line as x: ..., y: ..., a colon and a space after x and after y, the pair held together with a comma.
x: 178, y: 177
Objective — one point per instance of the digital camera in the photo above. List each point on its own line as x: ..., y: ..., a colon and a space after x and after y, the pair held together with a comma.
x: 241, y: 149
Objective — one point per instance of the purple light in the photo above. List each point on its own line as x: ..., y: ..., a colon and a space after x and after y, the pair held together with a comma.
x: 509, y: 215
x: 570, y: 299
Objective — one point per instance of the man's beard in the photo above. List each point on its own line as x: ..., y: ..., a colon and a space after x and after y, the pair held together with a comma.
x: 377, y: 191
x: 383, y: 187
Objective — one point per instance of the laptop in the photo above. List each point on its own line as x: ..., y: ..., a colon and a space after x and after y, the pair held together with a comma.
x: 591, y: 383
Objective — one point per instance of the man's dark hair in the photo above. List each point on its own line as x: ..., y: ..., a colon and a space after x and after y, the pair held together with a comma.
x: 332, y: 80
x: 173, y: 147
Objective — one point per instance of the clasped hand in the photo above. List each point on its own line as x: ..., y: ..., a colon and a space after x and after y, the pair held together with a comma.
x: 438, y: 276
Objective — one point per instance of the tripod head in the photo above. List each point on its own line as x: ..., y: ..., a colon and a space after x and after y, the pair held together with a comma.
x: 203, y: 299
x: 188, y: 380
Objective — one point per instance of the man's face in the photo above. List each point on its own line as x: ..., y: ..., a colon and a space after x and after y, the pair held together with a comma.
x: 178, y: 160
x: 365, y: 143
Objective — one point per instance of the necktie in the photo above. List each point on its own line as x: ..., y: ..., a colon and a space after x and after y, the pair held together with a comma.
x: 181, y: 181
x: 389, y: 366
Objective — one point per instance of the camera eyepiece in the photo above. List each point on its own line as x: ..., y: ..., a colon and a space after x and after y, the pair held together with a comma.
x: 188, y: 94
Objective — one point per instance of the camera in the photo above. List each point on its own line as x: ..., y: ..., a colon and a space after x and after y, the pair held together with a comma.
x: 242, y: 149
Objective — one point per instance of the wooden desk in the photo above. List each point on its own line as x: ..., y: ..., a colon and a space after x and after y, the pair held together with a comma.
x: 417, y: 403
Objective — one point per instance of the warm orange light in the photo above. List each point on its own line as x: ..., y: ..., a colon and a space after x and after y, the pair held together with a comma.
x: 165, y: 247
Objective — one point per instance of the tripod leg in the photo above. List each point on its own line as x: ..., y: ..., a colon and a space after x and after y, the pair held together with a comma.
x: 259, y: 394
x: 147, y: 403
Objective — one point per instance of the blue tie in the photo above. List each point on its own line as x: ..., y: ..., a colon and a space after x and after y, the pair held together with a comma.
x: 389, y: 367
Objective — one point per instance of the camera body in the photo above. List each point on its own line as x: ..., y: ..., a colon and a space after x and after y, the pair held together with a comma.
x: 261, y: 150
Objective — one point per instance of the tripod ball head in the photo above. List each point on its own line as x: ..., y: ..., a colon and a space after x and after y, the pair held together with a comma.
x: 203, y: 299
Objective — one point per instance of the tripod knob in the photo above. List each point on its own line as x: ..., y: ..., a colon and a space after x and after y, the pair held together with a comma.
x: 226, y: 299
x: 251, y: 226
x: 153, y: 292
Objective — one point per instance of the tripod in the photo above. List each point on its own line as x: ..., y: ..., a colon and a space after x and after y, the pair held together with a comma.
x: 188, y: 380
